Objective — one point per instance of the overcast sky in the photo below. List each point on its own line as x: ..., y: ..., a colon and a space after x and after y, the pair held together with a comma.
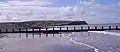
x: 91, y: 11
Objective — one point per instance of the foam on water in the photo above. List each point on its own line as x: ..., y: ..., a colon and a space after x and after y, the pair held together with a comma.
x: 105, y: 32
x: 72, y: 40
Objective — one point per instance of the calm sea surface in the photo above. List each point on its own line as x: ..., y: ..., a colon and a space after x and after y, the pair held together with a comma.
x: 92, y: 41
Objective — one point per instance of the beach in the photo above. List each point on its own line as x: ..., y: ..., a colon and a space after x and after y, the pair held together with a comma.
x: 102, y: 41
x: 92, y: 41
x: 40, y: 43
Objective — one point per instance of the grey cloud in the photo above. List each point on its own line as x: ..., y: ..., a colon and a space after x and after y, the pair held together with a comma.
x: 92, y: 14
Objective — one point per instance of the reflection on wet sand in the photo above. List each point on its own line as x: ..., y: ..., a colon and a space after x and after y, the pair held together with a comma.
x: 2, y: 35
x: 40, y: 42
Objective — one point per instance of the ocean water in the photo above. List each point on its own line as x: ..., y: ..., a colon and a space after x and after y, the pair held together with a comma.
x: 91, y: 41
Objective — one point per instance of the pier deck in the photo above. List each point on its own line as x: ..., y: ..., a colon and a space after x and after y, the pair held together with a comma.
x: 56, y: 29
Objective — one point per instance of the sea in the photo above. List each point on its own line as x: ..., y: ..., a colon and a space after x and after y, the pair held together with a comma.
x: 91, y: 41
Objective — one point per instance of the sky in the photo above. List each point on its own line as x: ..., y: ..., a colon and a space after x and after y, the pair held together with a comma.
x: 91, y: 11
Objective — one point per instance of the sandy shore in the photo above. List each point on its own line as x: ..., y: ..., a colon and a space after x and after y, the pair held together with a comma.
x: 100, y: 41
x: 40, y: 43
x: 65, y: 42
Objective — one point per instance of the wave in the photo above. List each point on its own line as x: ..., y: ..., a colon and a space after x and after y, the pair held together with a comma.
x: 105, y: 32
x: 72, y: 40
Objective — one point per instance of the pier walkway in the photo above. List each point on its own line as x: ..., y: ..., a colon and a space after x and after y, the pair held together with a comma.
x: 56, y: 29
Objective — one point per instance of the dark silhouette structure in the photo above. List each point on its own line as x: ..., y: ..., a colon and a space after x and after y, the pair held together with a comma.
x: 57, y: 29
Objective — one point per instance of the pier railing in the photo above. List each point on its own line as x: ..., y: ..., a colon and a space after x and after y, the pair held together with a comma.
x: 57, y: 29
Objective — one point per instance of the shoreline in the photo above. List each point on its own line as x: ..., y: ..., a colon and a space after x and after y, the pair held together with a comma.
x: 103, y: 42
x: 71, y: 39
x: 14, y: 43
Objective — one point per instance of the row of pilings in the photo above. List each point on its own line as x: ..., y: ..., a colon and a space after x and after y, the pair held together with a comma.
x: 56, y: 29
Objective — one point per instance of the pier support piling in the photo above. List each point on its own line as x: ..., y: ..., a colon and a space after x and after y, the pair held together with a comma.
x: 88, y: 27
x: 13, y: 30
x: 19, y: 30
x: 6, y: 30
x: 74, y: 28
x: 109, y: 27
x: 67, y: 28
x: 46, y: 29
x: 95, y: 27
x: 39, y: 29
x: 26, y: 29
x: 60, y: 28
x: 117, y: 27
x: 81, y: 28
x: 53, y: 28
x: 32, y: 29
x: 102, y: 27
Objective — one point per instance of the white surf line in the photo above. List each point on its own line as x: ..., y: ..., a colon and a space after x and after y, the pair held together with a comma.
x: 104, y: 32
x: 71, y: 39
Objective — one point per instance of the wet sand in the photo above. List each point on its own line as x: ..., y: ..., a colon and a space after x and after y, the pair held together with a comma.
x: 40, y: 43
x: 100, y: 41
x: 65, y: 42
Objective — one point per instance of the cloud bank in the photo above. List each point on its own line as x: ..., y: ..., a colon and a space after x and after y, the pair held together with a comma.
x: 27, y: 10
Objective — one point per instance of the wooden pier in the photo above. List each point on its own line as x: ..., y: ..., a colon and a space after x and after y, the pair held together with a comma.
x: 56, y: 29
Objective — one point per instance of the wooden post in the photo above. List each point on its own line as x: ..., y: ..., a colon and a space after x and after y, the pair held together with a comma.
x: 102, y: 27
x: 109, y: 27
x: 67, y: 28
x: 32, y: 29
x: 19, y: 30
x: 116, y: 27
x: 46, y: 29
x: 81, y: 28
x: 74, y: 28
x: 95, y: 27
x: 13, y: 30
x: 6, y: 30
x: 60, y: 28
x: 88, y: 27
x: 39, y: 29
x: 26, y: 29
x: 53, y: 28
